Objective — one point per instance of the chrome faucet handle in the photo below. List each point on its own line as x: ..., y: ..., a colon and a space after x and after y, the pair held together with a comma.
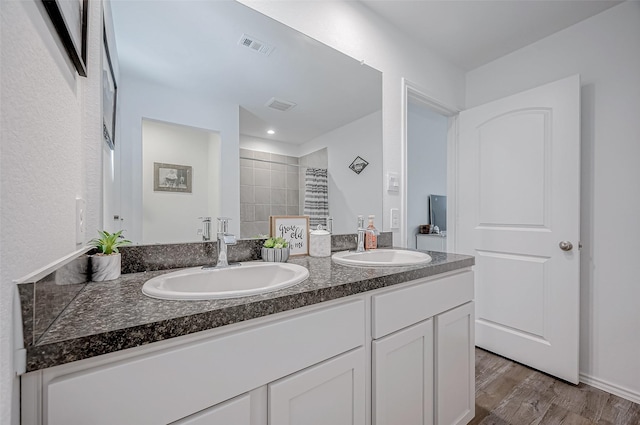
x: 206, y: 228
x: 223, y: 224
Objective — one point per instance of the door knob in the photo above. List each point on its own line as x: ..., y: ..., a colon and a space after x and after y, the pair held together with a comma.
x: 566, y: 246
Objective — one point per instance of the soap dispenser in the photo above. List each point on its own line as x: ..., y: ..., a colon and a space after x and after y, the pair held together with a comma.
x: 371, y: 235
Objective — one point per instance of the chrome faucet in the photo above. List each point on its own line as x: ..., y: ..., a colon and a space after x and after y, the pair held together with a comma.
x: 361, y: 231
x: 206, y: 228
x: 224, y: 239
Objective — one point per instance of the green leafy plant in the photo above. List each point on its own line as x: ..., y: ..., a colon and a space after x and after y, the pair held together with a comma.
x: 275, y: 243
x: 108, y: 243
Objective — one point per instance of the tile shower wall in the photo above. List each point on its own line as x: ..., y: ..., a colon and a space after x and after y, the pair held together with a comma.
x: 266, y: 189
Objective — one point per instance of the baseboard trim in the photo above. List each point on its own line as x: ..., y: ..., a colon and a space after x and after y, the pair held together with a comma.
x: 610, y: 388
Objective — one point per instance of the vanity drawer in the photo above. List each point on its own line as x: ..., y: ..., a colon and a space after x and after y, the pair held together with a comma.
x: 425, y: 298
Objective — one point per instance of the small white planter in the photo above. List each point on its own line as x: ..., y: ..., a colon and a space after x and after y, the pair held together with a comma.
x: 275, y: 255
x: 105, y: 267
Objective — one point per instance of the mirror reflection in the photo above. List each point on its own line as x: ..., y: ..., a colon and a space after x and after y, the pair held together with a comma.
x: 263, y: 117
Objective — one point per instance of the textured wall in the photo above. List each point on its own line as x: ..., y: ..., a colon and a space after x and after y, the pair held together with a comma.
x: 604, y: 51
x: 50, y: 154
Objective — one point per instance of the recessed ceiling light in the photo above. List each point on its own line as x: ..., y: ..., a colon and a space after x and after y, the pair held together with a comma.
x: 271, y: 132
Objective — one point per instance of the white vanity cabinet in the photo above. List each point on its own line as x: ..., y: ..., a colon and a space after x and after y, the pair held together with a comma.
x: 401, y: 355
x: 423, y: 353
x: 173, y: 380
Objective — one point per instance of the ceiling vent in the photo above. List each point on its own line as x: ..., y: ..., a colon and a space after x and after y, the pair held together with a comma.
x: 279, y: 104
x: 255, y: 44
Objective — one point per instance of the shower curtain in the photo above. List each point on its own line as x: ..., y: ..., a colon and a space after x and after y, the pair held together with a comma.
x: 316, y: 196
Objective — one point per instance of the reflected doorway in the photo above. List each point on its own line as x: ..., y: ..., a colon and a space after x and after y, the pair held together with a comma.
x: 429, y: 168
x: 180, y: 181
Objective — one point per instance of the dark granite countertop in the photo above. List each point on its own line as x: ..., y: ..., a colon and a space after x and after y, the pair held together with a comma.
x: 105, y: 317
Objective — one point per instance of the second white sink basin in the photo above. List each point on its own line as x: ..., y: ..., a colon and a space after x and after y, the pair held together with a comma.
x: 381, y: 258
x: 235, y: 281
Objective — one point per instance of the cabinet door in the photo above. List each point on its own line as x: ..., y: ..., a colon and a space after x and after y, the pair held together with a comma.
x: 246, y: 409
x: 330, y: 393
x: 455, y: 366
x: 403, y: 377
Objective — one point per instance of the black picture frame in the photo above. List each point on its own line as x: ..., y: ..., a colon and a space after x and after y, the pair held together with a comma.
x: 358, y: 165
x: 109, y: 94
x: 69, y: 18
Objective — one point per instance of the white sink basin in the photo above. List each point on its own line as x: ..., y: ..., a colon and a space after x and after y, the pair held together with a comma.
x: 381, y: 258
x: 235, y: 281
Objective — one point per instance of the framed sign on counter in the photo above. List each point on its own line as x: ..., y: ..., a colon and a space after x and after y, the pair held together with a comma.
x: 294, y: 229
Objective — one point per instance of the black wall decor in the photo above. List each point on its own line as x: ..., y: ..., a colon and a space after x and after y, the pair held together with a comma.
x: 69, y: 18
x: 358, y: 165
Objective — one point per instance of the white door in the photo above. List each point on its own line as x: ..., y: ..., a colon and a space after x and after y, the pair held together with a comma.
x: 519, y: 214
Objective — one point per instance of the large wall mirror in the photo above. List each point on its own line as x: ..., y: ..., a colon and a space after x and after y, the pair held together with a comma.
x: 205, y: 81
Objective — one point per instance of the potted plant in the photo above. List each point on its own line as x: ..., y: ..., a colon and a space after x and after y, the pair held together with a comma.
x: 106, y: 263
x: 275, y: 250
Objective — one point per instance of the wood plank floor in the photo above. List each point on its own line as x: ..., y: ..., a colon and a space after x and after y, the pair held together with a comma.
x: 508, y: 393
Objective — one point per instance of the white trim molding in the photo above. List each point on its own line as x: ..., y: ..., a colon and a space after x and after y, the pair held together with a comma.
x: 614, y: 389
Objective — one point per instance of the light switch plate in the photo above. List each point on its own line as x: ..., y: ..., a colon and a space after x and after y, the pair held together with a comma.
x: 81, y: 227
x: 395, y: 218
x: 393, y: 182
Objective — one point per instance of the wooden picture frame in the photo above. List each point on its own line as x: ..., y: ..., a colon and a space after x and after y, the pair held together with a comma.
x: 294, y: 229
x: 109, y: 94
x: 172, y: 178
x: 69, y: 18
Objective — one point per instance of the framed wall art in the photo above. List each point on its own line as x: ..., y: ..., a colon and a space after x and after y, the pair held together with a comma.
x: 358, y: 165
x: 69, y: 18
x: 294, y: 229
x: 172, y: 177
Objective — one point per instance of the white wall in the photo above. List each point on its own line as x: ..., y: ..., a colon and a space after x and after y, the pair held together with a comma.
x: 172, y: 217
x: 352, y: 194
x: 353, y: 29
x: 605, y: 51
x: 51, y: 130
x: 139, y: 99
x: 426, y: 164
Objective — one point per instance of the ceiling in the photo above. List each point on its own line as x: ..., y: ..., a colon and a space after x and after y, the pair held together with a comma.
x: 471, y: 33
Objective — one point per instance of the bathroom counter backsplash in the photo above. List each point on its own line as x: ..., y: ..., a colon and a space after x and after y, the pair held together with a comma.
x: 102, y: 317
